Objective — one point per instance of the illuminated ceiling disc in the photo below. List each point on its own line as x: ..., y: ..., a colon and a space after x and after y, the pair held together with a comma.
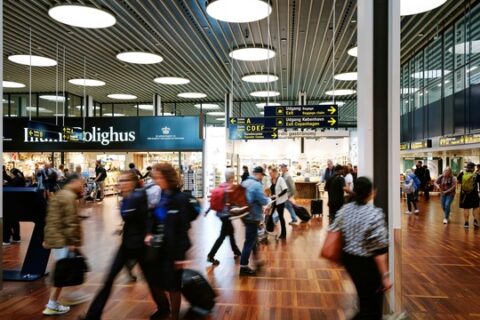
x: 148, y: 107
x: 122, y: 96
x: 52, y: 98
x: 36, y: 61
x: 192, y: 95
x: 265, y: 94
x: 340, y: 92
x: 12, y: 84
x: 207, y: 106
x: 347, y: 76
x: 252, y: 54
x: 138, y: 57
x: 353, y: 52
x: 327, y: 103
x: 270, y: 104
x: 410, y: 7
x: 260, y: 78
x: 82, y: 16
x: 87, y: 82
x: 171, y: 80
x: 216, y: 113
x: 236, y: 11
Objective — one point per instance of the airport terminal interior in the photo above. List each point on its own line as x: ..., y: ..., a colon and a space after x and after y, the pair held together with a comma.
x: 240, y: 159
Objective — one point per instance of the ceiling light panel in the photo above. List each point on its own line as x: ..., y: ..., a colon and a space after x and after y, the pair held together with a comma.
x: 171, y: 80
x: 265, y: 94
x: 52, y: 98
x: 81, y: 16
x: 207, y: 106
x: 260, y: 78
x: 236, y: 11
x: 122, y: 96
x: 252, y: 54
x: 340, y: 92
x: 192, y: 95
x: 87, y: 82
x: 327, y: 103
x: 216, y: 113
x: 353, y: 52
x: 347, y: 76
x: 270, y: 104
x: 35, y: 61
x: 12, y: 84
x: 410, y: 7
x: 138, y: 57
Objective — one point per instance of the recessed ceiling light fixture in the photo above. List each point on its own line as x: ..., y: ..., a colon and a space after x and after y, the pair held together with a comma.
x: 36, y: 61
x: 270, y: 104
x: 207, y: 106
x: 409, y: 7
x: 139, y: 57
x: 460, y: 47
x: 353, y: 52
x: 340, y: 92
x: 12, y: 84
x: 82, y: 16
x: 252, y: 54
x: 429, y: 74
x: 327, y: 103
x: 122, y: 96
x: 52, y: 98
x: 216, y: 113
x: 192, y: 95
x: 265, y: 94
x: 87, y: 82
x: 260, y: 78
x: 237, y: 11
x: 347, y: 76
x: 171, y: 80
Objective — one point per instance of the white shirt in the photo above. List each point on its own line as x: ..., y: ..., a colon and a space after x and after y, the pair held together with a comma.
x: 279, y: 187
x: 349, y: 181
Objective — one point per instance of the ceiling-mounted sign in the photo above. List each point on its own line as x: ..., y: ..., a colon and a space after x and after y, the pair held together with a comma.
x: 404, y: 146
x: 302, y: 111
x: 451, y: 141
x: 39, y: 130
x: 421, y: 144
x: 253, y: 128
x: 108, y: 133
x: 472, y: 138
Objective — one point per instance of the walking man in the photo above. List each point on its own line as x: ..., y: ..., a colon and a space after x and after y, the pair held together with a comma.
x: 291, y: 192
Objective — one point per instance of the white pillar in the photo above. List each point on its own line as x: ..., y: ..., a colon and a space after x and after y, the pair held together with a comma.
x: 365, y: 87
x: 157, y: 102
x: 90, y: 106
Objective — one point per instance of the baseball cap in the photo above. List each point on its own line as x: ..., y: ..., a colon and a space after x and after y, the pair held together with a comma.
x: 283, y: 165
x: 258, y: 170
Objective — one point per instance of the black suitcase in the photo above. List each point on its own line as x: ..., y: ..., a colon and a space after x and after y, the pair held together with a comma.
x: 316, y: 207
x: 197, y: 291
x: 302, y: 213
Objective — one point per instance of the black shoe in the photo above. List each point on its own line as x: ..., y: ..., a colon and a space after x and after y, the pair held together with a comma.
x: 466, y: 225
x: 237, y: 254
x: 213, y: 261
x: 246, y: 271
x: 475, y: 224
x: 160, y: 314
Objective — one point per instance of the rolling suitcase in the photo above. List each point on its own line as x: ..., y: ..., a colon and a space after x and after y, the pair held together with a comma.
x: 316, y: 207
x: 302, y: 213
x: 197, y: 290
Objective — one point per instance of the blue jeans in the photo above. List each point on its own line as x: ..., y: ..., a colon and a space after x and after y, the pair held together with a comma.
x: 446, y: 203
x: 250, y: 244
x: 289, y: 207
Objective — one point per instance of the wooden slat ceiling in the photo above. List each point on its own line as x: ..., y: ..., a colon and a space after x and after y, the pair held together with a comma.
x: 196, y: 46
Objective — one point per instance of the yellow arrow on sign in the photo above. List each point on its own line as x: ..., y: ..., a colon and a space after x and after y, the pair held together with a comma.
x: 233, y: 121
x: 274, y: 135
x: 30, y: 132
x: 332, y: 121
x: 279, y: 110
x: 332, y: 110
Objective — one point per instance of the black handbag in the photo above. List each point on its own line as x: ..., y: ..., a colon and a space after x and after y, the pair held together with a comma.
x: 70, y: 271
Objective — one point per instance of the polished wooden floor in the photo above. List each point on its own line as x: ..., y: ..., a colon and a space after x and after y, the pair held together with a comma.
x: 440, y: 273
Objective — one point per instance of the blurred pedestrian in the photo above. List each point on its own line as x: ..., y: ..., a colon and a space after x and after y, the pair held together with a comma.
x: 447, y: 184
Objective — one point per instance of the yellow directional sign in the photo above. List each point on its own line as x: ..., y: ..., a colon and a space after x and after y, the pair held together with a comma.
x: 332, y: 121
x: 279, y: 122
x: 332, y: 110
x: 233, y: 120
x: 274, y: 135
x: 280, y: 111
x: 30, y: 133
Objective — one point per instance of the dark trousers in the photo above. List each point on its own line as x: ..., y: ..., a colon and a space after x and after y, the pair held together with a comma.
x: 226, y: 231
x: 368, y: 282
x: 250, y: 245
x: 271, y: 225
x: 332, y: 212
x: 11, y: 229
x: 122, y: 257
x: 426, y: 191
x: 411, y: 200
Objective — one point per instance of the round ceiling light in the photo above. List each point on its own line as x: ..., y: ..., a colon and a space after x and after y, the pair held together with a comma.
x: 340, y: 92
x: 122, y: 96
x: 327, y: 103
x: 12, y: 84
x: 216, y: 113
x: 259, y: 78
x: 460, y: 47
x: 171, y: 80
x: 353, y: 52
x: 429, y: 74
x: 207, y: 106
x: 118, y: 114
x: 81, y: 16
x: 239, y: 11
x: 270, y: 104
x: 87, y: 82
x: 53, y: 98
x: 139, y: 57
x: 265, y: 94
x: 347, y: 76
x: 148, y: 107
x: 35, y: 61
x: 192, y: 95
x: 252, y: 54
x: 409, y: 7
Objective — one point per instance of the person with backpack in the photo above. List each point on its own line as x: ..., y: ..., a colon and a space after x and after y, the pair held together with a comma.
x: 469, y: 198
x: 410, y: 187
x: 219, y: 201
x: 448, y: 186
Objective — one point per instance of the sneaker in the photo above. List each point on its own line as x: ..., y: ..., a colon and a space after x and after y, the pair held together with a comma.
x: 417, y: 211
x: 466, y: 225
x: 293, y: 222
x: 248, y: 272
x: 213, y: 261
x: 408, y: 212
x: 6, y: 243
x: 59, y: 309
x: 475, y: 224
x: 445, y: 221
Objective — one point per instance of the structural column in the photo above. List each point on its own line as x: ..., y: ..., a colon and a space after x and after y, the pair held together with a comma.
x: 379, y: 117
x: 1, y: 144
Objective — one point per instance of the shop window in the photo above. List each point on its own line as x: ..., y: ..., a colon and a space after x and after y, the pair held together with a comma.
x: 124, y: 110
x: 75, y: 104
x: 107, y: 110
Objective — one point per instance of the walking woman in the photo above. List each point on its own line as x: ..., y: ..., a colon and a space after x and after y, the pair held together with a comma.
x: 279, y: 191
x: 170, y: 233
x: 365, y: 251
x: 136, y: 223
x: 411, y: 187
x: 447, y: 184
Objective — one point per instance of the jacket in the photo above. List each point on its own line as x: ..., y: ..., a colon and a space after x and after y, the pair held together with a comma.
x: 256, y: 199
x: 290, y: 184
x: 63, y: 226
x: 176, y: 240
x: 280, y: 187
x: 134, y: 212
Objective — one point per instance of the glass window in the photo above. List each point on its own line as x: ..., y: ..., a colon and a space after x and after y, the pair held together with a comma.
x: 460, y: 79
x: 19, y: 105
x: 448, y: 49
x: 434, y: 92
x: 474, y: 71
x: 460, y: 47
x: 107, y: 109
x: 50, y: 105
x: 448, y: 85
x: 434, y: 58
x: 75, y: 104
x: 145, y: 109
x: 5, y: 105
x: 124, y: 110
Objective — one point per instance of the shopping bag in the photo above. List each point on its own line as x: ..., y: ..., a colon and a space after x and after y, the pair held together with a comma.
x: 70, y: 271
x: 333, y: 246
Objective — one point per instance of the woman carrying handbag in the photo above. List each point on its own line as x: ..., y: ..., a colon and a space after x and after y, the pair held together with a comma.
x: 359, y: 232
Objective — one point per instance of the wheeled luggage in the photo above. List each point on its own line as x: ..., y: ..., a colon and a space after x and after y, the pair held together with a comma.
x: 197, y: 290
x: 316, y: 207
x: 302, y: 213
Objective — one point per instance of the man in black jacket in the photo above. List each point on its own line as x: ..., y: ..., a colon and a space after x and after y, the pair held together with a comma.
x: 336, y: 190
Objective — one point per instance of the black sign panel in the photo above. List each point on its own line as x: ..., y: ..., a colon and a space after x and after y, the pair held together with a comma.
x: 452, y: 141
x: 108, y: 133
x: 404, y: 146
x: 421, y: 144
x: 254, y: 128
x: 302, y: 111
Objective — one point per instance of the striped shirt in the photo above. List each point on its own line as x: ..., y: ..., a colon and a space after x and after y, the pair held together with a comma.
x: 363, y: 228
